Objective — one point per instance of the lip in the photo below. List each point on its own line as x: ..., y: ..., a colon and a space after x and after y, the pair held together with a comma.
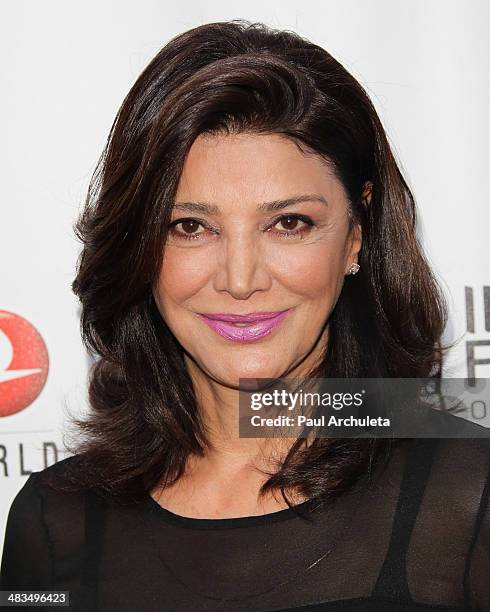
x: 260, y: 324
x: 251, y: 317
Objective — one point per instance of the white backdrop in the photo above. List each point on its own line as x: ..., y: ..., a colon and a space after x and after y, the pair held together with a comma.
x: 65, y: 69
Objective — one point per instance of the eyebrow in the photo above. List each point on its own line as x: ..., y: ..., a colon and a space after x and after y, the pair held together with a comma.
x: 212, y: 209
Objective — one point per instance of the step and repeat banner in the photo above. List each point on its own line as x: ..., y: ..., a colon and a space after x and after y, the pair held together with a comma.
x: 66, y: 68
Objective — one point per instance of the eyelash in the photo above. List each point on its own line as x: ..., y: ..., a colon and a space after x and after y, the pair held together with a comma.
x: 284, y: 234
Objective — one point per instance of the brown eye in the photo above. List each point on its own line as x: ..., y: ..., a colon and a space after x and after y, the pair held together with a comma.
x: 189, y: 226
x: 185, y: 229
x: 290, y: 226
x: 289, y: 222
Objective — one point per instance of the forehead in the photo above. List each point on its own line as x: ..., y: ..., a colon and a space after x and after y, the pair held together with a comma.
x: 244, y: 169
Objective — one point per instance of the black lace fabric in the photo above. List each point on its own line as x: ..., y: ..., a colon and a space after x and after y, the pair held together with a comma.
x: 417, y: 537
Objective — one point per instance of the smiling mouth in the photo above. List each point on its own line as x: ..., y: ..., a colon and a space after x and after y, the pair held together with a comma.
x: 244, y: 328
x: 252, y: 317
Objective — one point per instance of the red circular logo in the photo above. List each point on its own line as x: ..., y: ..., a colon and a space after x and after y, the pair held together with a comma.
x: 24, y: 363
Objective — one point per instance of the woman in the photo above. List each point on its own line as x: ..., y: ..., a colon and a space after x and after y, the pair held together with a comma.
x: 248, y: 220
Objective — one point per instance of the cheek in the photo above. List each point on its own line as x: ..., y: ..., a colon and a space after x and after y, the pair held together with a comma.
x: 314, y: 270
x: 184, y: 272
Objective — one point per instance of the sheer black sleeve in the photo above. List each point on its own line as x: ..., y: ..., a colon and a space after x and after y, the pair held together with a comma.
x: 26, y: 559
x: 478, y: 577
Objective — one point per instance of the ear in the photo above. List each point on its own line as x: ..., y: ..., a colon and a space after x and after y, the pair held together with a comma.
x: 356, y: 243
x: 367, y: 192
x: 354, y: 246
x: 356, y: 232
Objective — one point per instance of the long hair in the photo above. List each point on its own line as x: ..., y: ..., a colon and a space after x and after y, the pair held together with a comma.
x: 229, y: 78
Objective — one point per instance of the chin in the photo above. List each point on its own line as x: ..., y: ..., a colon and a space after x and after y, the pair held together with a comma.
x: 232, y: 376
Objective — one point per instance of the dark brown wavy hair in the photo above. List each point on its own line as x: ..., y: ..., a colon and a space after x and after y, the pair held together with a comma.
x: 227, y: 78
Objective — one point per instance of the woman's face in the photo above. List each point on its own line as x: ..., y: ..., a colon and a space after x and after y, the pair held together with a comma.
x: 236, y: 247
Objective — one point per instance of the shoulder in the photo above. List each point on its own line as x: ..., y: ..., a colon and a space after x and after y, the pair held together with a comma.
x: 42, y: 524
x: 444, y: 508
x: 42, y: 496
x: 465, y: 455
x: 448, y: 475
x: 56, y: 471
x: 38, y: 480
x: 42, y: 504
x: 461, y: 489
x: 460, y: 460
x: 456, y: 473
x: 446, y: 482
x: 51, y: 477
x: 464, y: 463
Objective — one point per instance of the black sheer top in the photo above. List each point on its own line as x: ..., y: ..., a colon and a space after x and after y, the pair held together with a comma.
x: 416, y: 538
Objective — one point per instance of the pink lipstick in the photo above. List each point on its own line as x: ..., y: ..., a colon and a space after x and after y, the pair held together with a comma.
x: 244, y: 328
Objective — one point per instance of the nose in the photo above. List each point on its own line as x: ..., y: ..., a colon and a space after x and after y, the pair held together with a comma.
x: 241, y: 268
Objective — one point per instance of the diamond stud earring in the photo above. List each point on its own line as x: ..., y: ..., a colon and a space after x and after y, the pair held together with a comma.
x: 354, y: 269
